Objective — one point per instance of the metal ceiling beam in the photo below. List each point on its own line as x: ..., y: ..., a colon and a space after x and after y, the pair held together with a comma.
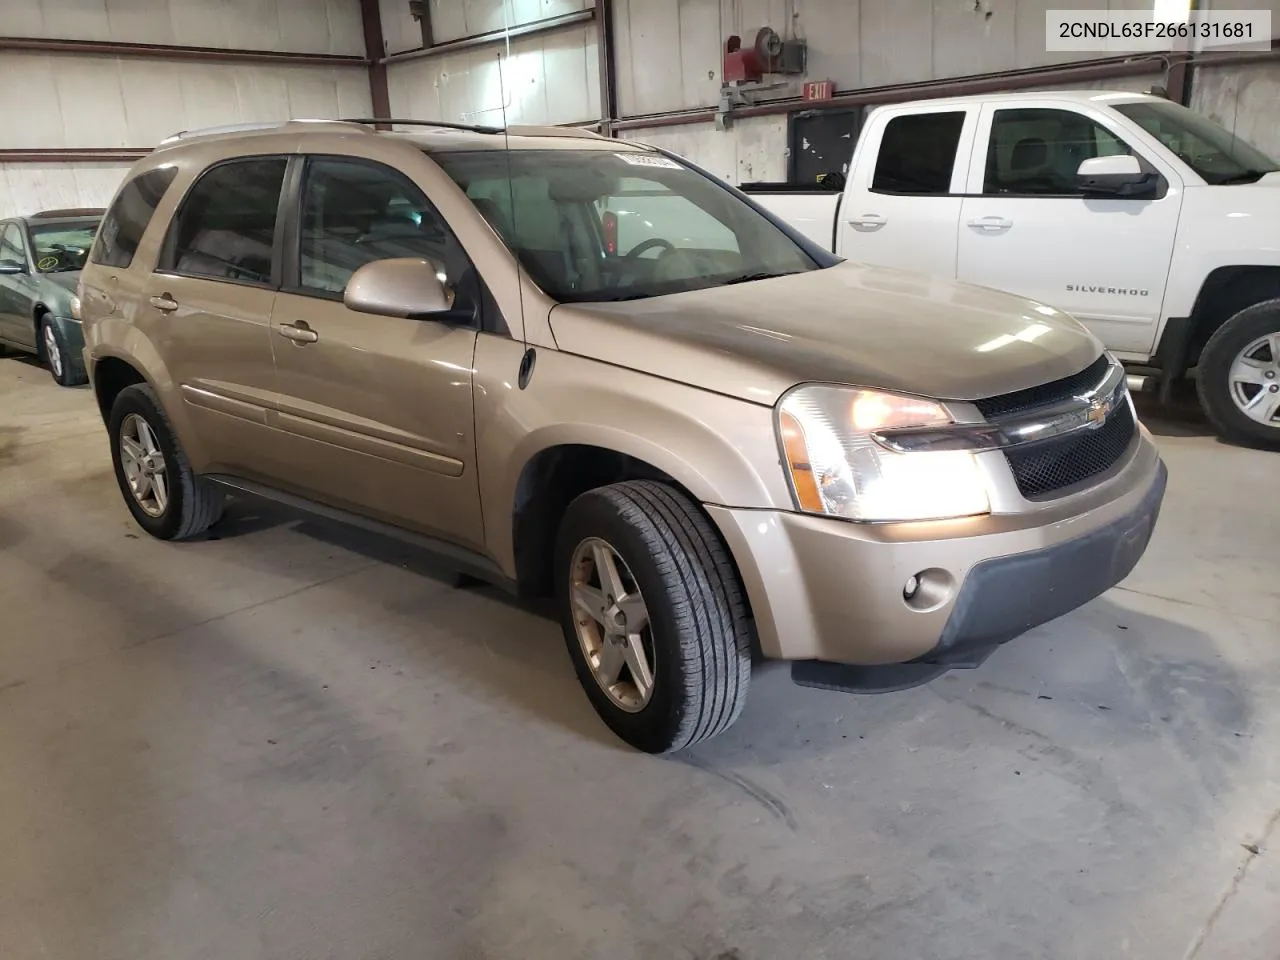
x: 72, y: 154
x: 607, y: 71
x: 549, y: 25
x: 375, y: 50
x: 165, y: 51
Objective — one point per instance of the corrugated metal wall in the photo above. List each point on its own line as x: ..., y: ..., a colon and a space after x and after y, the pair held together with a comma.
x: 77, y: 101
x: 28, y: 187
x: 670, y: 50
x: 669, y: 59
x: 297, y: 26
x: 754, y: 149
x: 453, y: 19
x: 1244, y: 99
x: 548, y: 78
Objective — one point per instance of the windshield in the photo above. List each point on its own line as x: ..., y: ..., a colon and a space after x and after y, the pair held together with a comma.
x: 591, y: 225
x: 1216, y: 154
x: 62, y: 245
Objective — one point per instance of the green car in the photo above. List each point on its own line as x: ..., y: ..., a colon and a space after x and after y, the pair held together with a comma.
x: 40, y: 261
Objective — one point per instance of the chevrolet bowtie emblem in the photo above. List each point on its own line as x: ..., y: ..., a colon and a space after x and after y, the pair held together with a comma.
x: 1098, y: 411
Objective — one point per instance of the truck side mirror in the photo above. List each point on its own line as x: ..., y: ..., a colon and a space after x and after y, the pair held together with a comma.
x: 399, y: 287
x: 1119, y: 176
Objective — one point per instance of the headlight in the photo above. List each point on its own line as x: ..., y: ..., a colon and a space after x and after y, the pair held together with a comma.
x: 836, y: 468
x: 75, y: 307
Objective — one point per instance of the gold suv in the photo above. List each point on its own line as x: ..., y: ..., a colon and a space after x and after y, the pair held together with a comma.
x: 583, y: 367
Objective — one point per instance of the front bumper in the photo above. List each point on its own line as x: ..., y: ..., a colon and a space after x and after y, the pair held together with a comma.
x: 832, y: 591
x: 72, y: 335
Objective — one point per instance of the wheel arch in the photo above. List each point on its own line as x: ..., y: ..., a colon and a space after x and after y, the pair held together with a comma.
x: 552, y: 476
x: 111, y: 375
x: 39, y: 310
x: 1225, y: 292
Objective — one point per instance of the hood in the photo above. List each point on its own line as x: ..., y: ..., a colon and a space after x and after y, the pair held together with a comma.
x: 57, y: 291
x: 850, y: 323
x: 67, y: 280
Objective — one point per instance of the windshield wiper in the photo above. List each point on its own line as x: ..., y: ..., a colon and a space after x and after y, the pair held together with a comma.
x: 1248, y: 176
x: 615, y: 299
x: 752, y: 277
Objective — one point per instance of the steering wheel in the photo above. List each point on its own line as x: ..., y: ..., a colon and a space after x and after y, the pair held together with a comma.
x: 646, y: 245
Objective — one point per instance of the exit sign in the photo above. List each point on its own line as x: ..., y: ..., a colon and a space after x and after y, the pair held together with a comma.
x: 819, y: 89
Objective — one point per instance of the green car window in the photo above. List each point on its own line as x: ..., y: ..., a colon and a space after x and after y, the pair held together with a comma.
x: 62, y: 245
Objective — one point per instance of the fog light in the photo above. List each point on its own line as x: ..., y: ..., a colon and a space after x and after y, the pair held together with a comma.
x: 928, y: 590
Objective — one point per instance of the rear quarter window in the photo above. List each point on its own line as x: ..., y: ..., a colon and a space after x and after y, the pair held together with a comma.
x: 125, y: 223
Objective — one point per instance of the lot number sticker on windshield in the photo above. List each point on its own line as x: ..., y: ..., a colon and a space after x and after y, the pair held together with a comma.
x: 647, y: 160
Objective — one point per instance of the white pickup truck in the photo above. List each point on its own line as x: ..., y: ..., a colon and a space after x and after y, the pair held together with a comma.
x: 1152, y: 225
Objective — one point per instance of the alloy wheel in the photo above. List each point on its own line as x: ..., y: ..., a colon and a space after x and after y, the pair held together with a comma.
x: 612, y: 624
x: 52, y: 355
x: 1255, y: 380
x: 144, y: 465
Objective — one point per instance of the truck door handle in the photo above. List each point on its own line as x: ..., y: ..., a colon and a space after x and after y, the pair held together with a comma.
x: 868, y: 220
x: 298, y: 333
x: 990, y: 224
x: 164, y: 302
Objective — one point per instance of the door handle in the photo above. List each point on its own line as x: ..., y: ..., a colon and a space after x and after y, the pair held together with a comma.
x: 868, y: 220
x: 990, y: 224
x: 164, y: 302
x: 299, y: 333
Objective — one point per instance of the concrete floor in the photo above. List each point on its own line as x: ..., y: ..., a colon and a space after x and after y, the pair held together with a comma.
x: 294, y: 742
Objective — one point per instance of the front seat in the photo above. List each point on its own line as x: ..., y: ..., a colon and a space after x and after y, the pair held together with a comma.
x: 1027, y: 162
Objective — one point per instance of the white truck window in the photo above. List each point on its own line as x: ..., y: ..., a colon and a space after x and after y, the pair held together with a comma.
x: 918, y: 153
x: 1036, y: 152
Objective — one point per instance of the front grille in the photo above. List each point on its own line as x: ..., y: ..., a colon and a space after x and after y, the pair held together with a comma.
x: 1046, y: 393
x: 1042, y: 468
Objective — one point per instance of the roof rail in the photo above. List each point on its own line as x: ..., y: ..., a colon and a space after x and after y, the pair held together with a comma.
x: 543, y: 130
x: 473, y: 128
x: 247, y: 127
x: 517, y: 130
x: 70, y: 212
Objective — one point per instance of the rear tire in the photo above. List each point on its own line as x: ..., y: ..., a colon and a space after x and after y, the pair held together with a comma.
x: 698, y: 628
x: 66, y: 369
x: 190, y: 504
x: 1244, y: 349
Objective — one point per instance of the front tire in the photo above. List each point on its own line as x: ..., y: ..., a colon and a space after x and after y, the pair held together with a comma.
x: 66, y: 369
x: 1239, y: 377
x: 653, y: 615
x: 165, y: 497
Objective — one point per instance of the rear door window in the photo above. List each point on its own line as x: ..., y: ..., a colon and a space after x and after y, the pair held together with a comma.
x: 125, y: 223
x: 918, y: 154
x: 225, y: 228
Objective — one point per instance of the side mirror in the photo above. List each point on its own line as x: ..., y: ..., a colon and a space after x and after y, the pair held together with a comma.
x: 1119, y: 176
x: 8, y: 268
x: 401, y: 287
